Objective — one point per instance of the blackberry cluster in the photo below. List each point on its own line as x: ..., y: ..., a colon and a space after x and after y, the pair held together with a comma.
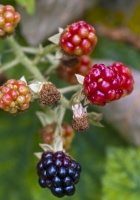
x: 58, y: 172
x: 78, y: 39
x: 104, y: 84
x: 8, y: 20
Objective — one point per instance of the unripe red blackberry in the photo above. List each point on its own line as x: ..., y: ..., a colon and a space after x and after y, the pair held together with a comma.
x: 8, y: 20
x: 125, y: 72
x: 14, y: 96
x: 103, y: 84
x: 58, y: 172
x: 78, y: 39
x: 47, y: 134
x: 67, y: 73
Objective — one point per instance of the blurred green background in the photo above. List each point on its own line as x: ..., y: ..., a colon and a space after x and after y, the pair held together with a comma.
x: 110, y: 166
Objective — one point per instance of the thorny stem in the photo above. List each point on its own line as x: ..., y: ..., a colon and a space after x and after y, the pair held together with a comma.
x: 24, y: 59
x: 9, y: 65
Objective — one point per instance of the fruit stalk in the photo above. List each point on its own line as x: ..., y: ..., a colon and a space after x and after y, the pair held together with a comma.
x: 70, y: 89
x: 42, y: 52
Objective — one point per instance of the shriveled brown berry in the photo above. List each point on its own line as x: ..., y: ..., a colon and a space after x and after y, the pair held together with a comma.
x: 49, y: 94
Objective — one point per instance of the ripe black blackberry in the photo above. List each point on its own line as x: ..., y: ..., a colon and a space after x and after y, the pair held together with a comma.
x: 58, y: 172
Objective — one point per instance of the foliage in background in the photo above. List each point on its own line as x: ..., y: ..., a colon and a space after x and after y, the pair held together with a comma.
x: 116, y: 17
x: 28, y: 4
x: 121, y: 179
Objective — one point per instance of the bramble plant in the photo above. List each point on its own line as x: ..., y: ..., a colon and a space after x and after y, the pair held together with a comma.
x: 68, y: 56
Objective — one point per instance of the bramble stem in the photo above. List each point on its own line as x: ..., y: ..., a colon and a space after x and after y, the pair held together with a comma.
x: 43, y: 51
x: 70, y: 88
x: 58, y: 130
x: 64, y: 102
x: 30, y: 50
x: 24, y: 59
x: 9, y: 65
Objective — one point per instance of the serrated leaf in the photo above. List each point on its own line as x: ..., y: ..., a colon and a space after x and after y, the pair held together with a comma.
x: 28, y: 4
x: 80, y: 78
x: 122, y: 174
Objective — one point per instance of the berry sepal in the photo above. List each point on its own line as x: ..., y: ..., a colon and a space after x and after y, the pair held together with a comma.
x: 80, y: 78
x: 55, y: 38
x: 57, y: 146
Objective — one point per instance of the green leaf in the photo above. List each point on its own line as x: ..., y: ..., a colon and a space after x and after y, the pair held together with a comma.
x: 94, y: 118
x: 28, y: 4
x: 121, y: 180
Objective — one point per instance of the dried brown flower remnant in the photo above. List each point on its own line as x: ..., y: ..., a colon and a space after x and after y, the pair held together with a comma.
x: 80, y: 120
x: 49, y: 94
